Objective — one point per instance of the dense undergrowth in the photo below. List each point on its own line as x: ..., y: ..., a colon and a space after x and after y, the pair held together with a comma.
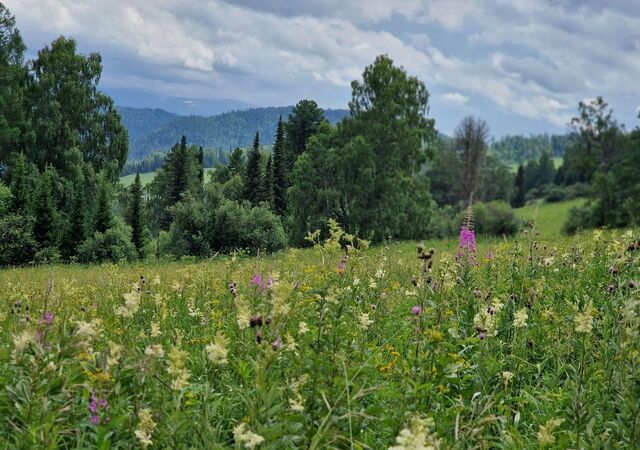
x: 526, y: 344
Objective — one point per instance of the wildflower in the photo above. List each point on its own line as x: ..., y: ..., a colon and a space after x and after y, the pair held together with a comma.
x: 47, y: 318
x: 277, y: 343
x: 416, y: 310
x: 417, y: 436
x: 303, y: 328
x: 583, y: 320
x: 88, y: 330
x: 145, y: 427
x: 520, y: 318
x: 246, y: 437
x: 21, y: 342
x: 155, y: 329
x: 154, y: 351
x: 96, y: 405
x: 545, y: 436
x: 296, y: 404
x: 115, y: 353
x: 490, y: 255
x: 131, y: 304
x: 217, y: 351
x: 177, y: 368
x: 365, y: 321
x: 507, y: 376
x: 485, y: 324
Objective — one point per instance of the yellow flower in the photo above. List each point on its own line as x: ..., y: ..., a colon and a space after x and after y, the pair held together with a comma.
x: 177, y: 369
x: 545, y: 434
x: 145, y: 427
x: 217, y: 351
x: 246, y: 437
x: 520, y: 318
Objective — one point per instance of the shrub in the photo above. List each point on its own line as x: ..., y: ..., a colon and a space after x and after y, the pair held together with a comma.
x: 240, y: 226
x: 17, y: 244
x: 113, y: 245
x: 495, y: 218
x: 580, y: 218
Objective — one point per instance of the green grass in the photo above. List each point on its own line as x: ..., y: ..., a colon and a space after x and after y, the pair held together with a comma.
x: 547, y: 218
x: 524, y: 348
x: 147, y: 177
x: 557, y: 162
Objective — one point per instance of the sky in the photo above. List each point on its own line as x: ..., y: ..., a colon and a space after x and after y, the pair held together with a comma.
x: 522, y: 65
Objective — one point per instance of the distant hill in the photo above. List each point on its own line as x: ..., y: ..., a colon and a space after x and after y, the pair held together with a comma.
x: 157, y: 130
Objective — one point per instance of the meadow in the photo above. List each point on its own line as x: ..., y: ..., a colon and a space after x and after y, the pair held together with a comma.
x: 523, y: 343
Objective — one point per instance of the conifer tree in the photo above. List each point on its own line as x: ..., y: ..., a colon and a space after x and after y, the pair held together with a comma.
x: 76, y: 230
x: 266, y: 191
x: 280, y: 181
x: 519, y: 198
x: 19, y: 185
x: 253, y: 173
x: 45, y: 228
x: 103, y: 219
x: 135, y: 217
x: 200, y: 157
x: 236, y: 162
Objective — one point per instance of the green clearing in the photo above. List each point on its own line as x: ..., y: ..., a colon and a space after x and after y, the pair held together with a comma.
x: 548, y: 218
x: 147, y: 177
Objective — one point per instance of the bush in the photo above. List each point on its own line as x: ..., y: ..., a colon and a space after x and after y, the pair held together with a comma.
x: 579, y: 218
x: 5, y: 199
x: 557, y: 193
x: 113, y: 245
x: 445, y: 222
x: 240, y: 226
x: 495, y: 218
x: 17, y: 244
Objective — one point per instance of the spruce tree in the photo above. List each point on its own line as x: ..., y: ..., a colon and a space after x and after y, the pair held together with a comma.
x: 266, y: 188
x: 135, y: 217
x: 280, y: 168
x: 76, y: 229
x: 103, y: 219
x: 236, y: 162
x: 253, y: 173
x: 19, y: 185
x: 200, y: 158
x: 45, y: 228
x: 519, y: 198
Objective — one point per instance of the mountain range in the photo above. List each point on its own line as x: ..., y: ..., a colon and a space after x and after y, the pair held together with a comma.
x: 156, y: 130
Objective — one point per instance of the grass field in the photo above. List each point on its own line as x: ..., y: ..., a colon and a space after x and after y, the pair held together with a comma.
x: 146, y: 178
x: 547, y: 218
x: 530, y: 343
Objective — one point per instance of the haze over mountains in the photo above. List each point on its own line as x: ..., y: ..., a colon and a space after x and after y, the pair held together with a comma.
x: 156, y: 129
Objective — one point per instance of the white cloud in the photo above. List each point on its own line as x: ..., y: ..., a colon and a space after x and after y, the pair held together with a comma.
x: 535, y: 59
x: 455, y: 97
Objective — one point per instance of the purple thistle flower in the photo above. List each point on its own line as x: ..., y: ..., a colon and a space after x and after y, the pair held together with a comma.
x: 416, y: 310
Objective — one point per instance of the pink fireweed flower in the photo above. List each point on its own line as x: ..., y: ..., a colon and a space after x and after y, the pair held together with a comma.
x: 467, y: 247
x: 490, y: 254
x: 47, y: 318
x: 96, y: 405
x: 416, y: 310
x: 261, y: 283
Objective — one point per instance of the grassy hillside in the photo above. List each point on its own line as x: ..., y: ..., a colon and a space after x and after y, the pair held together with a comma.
x: 307, y: 349
x: 548, y: 218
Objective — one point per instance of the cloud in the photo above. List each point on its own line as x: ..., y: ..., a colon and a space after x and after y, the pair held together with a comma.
x: 455, y: 97
x: 534, y: 59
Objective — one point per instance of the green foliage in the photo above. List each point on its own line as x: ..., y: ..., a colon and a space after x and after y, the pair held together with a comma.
x: 579, y: 218
x: 280, y: 171
x: 6, y: 199
x: 302, y: 123
x: 76, y: 229
x: 520, y: 187
x: 223, y: 131
x: 46, y: 227
x: 113, y: 245
x: 135, y: 217
x: 519, y: 149
x: 495, y: 219
x: 103, y: 216
x: 253, y: 178
x: 67, y: 110
x: 17, y: 243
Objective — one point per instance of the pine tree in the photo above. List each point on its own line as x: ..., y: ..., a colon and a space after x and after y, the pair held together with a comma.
x: 253, y: 173
x: 135, y: 216
x: 19, y: 185
x: 236, y: 162
x: 76, y: 229
x: 45, y: 228
x: 280, y: 168
x: 519, y: 198
x: 200, y: 157
x: 104, y: 218
x: 266, y: 188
